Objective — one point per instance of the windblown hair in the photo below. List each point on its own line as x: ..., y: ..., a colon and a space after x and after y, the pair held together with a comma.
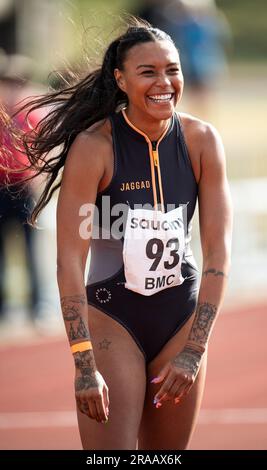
x: 4, y: 121
x: 6, y: 125
x: 10, y: 139
x: 75, y: 108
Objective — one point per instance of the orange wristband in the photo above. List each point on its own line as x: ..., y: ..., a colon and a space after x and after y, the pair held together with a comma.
x: 80, y: 347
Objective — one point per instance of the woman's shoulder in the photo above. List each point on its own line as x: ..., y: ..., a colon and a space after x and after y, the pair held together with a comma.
x: 90, y: 150
x: 202, y: 141
x: 198, y: 130
x: 195, y: 126
x: 95, y: 141
x: 98, y: 134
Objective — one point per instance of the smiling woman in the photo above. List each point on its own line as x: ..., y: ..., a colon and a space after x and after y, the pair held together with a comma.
x: 118, y: 136
x: 153, y: 82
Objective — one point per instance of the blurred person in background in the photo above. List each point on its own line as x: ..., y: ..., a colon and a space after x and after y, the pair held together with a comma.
x: 201, y: 34
x: 16, y: 196
x: 139, y: 348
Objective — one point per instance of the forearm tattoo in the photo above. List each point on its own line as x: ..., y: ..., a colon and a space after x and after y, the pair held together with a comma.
x: 72, y: 306
x: 202, y: 324
x: 189, y: 360
x: 84, y: 361
x: 215, y: 272
x: 79, y: 332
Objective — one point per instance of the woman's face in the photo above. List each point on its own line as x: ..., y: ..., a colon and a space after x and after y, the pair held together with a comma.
x: 152, y: 79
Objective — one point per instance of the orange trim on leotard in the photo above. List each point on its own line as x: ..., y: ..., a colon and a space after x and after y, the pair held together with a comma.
x: 154, y: 160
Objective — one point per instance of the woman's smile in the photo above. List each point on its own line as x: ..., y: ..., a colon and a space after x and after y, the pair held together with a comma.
x: 161, y: 98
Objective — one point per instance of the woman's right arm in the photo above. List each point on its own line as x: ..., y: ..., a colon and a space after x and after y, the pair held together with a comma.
x: 82, y: 173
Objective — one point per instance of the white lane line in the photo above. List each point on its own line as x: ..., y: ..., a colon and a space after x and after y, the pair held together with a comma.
x: 38, y: 419
x: 234, y: 416
x: 63, y: 419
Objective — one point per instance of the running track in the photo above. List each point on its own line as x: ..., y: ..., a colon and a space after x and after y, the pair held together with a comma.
x: 37, y: 404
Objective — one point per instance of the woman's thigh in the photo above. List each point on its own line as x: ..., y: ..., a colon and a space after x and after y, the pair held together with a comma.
x: 171, y: 426
x: 122, y: 366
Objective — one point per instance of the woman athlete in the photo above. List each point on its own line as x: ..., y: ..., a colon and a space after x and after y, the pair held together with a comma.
x: 133, y: 169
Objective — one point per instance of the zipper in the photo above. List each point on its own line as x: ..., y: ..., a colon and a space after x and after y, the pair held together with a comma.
x: 155, y: 152
x: 154, y: 162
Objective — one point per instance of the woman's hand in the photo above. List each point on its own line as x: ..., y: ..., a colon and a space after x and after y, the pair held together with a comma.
x: 91, y: 391
x: 91, y: 394
x: 178, y: 375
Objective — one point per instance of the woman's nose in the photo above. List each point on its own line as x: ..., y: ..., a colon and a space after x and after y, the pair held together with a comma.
x: 163, y: 79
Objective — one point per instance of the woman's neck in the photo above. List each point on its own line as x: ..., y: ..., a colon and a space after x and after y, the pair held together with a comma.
x: 153, y: 129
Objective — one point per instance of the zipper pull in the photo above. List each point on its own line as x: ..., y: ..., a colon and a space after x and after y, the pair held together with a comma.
x: 154, y: 151
x: 154, y: 145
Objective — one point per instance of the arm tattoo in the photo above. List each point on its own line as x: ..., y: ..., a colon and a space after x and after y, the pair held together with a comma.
x: 84, y: 361
x: 71, y: 305
x: 205, y: 315
x: 189, y: 360
x: 215, y: 272
x: 80, y: 333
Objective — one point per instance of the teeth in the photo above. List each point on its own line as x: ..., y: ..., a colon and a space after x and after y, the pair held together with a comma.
x: 163, y: 97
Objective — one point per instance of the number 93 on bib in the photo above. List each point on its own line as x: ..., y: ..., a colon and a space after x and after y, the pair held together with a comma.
x: 153, y: 249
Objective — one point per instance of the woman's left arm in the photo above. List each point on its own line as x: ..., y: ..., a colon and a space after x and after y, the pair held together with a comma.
x: 215, y: 218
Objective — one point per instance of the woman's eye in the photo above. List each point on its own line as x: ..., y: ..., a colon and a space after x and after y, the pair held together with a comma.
x: 147, y: 72
x: 152, y: 72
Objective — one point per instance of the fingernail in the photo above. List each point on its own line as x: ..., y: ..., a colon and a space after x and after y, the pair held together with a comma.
x: 176, y: 401
x: 158, y: 405
x: 154, y: 380
x: 156, y: 400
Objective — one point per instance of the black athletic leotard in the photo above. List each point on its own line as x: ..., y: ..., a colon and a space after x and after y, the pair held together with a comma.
x: 151, y: 320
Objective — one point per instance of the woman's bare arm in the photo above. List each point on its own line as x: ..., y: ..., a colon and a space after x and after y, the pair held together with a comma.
x: 215, y: 218
x: 215, y: 214
x: 83, y: 171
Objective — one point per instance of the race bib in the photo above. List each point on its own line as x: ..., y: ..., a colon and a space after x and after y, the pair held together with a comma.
x: 153, y: 250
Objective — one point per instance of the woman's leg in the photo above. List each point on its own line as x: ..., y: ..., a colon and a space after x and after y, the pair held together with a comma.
x: 122, y: 366
x: 170, y: 426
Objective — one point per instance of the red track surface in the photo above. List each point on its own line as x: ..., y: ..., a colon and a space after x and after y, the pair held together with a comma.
x: 38, y: 378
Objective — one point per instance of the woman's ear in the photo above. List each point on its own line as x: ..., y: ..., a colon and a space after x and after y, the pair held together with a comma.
x: 119, y: 79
